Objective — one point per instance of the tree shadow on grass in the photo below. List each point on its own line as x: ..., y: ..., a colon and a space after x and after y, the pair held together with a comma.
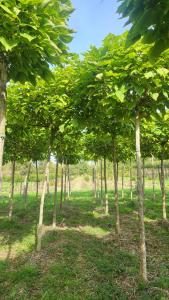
x: 83, y: 261
x: 71, y: 265
x: 75, y: 265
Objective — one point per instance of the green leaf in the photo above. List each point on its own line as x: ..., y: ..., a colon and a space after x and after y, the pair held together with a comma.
x: 27, y: 36
x: 149, y: 74
x: 162, y: 71
x: 7, y: 45
x: 120, y: 95
x: 165, y: 94
x: 160, y: 46
x: 110, y: 73
x: 7, y: 10
x: 62, y: 128
x: 154, y: 96
x: 99, y: 76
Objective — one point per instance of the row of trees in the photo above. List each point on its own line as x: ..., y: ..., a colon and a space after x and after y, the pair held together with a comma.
x: 95, y: 108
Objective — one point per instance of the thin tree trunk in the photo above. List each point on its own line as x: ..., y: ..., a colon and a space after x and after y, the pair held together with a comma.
x: 143, y: 262
x: 69, y: 183
x: 163, y: 190
x: 116, y: 196
x: 65, y: 182
x: 159, y: 174
x: 61, y: 188
x: 105, y: 187
x: 95, y: 181
x: 131, y: 182
x: 122, y: 181
x: 37, y: 179
x: 3, y: 81
x: 143, y: 175
x: 55, y: 194
x: 101, y: 181
x: 41, y: 210
x: 11, y: 191
x: 153, y: 177
x: 26, y: 182
x: 48, y: 183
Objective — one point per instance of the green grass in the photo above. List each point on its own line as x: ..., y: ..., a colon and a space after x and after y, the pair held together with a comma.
x: 83, y: 259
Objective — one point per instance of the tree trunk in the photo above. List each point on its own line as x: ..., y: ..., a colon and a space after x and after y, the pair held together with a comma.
x: 69, y: 183
x: 41, y: 210
x: 65, y: 182
x: 95, y: 181
x: 143, y: 175
x: 37, y: 180
x: 61, y: 188
x: 153, y: 177
x: 11, y: 191
x: 122, y: 182
x: 26, y: 182
x: 55, y: 194
x: 131, y: 183
x: 101, y: 181
x: 143, y: 262
x: 163, y: 190
x: 3, y: 81
x: 116, y: 196
x: 105, y: 187
x: 48, y: 183
x: 159, y: 174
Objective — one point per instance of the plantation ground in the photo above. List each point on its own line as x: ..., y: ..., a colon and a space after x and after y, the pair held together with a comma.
x: 82, y: 258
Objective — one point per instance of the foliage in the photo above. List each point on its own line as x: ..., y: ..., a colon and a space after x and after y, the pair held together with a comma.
x: 150, y: 20
x: 33, y: 35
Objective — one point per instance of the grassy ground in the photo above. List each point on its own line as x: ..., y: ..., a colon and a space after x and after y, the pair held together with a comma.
x: 82, y: 259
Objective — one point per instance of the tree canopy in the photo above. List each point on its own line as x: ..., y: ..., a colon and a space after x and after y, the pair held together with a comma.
x: 150, y: 20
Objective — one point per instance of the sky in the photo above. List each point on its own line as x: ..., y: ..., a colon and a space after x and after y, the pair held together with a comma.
x: 93, y: 20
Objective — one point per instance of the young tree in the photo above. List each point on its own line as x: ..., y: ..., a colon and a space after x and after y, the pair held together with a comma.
x: 33, y: 35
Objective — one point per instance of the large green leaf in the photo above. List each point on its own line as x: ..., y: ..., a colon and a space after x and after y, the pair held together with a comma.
x: 27, y: 36
x: 7, y: 45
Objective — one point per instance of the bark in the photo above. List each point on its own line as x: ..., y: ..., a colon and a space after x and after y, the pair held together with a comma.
x: 122, y: 182
x: 143, y: 262
x: 101, y: 181
x: 61, y: 188
x: 153, y: 177
x: 69, y: 182
x: 95, y: 181
x: 3, y: 82
x: 65, y: 182
x: 26, y: 182
x: 143, y: 175
x: 41, y: 210
x: 131, y: 182
x: 11, y: 191
x: 163, y: 190
x: 37, y: 180
x: 105, y: 187
x: 116, y: 196
x: 55, y: 194
x: 97, y: 178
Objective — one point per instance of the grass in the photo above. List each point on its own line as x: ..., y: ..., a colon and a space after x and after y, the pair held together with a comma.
x: 83, y: 259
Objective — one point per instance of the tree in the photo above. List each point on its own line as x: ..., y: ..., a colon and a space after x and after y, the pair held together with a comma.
x: 33, y: 35
x: 129, y: 89
x: 150, y: 20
